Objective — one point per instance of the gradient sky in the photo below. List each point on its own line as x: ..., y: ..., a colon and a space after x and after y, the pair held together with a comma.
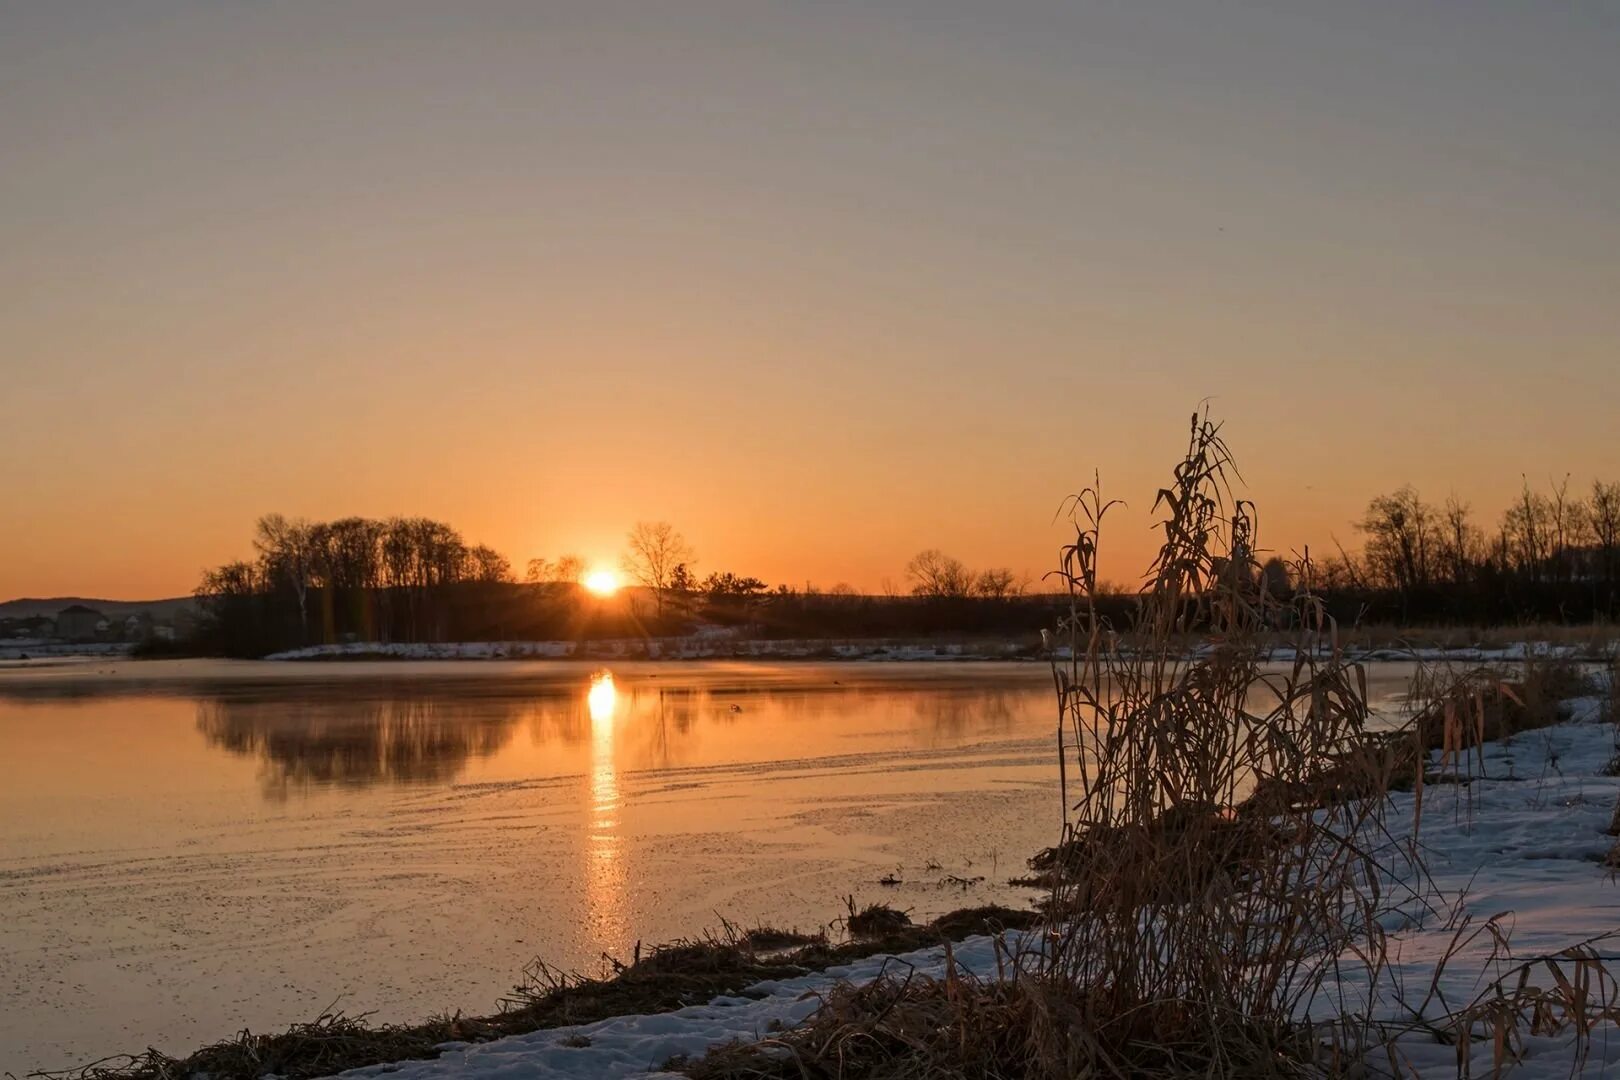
x: 822, y: 283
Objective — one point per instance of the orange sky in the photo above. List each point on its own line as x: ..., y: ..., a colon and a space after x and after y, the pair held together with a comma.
x: 821, y: 284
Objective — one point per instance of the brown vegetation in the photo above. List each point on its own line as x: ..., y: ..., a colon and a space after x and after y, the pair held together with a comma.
x: 656, y: 980
x: 1224, y: 857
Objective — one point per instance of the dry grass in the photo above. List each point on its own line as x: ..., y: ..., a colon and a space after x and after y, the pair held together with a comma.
x: 874, y: 920
x: 329, y: 1044
x: 1226, y: 851
x: 1225, y: 861
x: 897, y: 1026
x: 1192, y: 925
x: 1578, y: 995
x: 656, y: 980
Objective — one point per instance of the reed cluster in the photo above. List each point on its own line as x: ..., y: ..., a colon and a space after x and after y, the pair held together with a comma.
x: 1228, y: 862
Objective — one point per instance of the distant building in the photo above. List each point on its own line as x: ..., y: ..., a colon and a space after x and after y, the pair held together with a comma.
x: 79, y: 623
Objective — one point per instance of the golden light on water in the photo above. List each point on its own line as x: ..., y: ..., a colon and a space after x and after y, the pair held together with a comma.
x: 604, y: 867
x: 600, y: 701
x: 602, y: 583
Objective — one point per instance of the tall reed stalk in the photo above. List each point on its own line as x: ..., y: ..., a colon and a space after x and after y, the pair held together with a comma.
x: 1223, y: 825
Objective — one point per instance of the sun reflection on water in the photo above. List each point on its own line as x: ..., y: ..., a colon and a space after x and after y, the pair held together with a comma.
x: 604, y: 866
x: 602, y: 701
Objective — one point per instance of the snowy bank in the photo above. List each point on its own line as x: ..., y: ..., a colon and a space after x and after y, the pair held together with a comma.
x: 697, y: 647
x: 635, y: 1046
x: 726, y: 646
x: 1527, y: 843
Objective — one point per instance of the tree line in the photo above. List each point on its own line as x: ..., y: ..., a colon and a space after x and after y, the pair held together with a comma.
x: 394, y: 579
x: 406, y: 579
x: 1552, y: 556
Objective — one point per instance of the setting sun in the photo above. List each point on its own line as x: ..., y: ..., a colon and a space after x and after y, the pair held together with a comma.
x: 601, y: 582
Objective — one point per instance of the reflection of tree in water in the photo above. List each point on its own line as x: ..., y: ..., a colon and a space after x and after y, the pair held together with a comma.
x: 657, y: 728
x: 361, y: 740
x: 954, y: 713
x: 357, y: 743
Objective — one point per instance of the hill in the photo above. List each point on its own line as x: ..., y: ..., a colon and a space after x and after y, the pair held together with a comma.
x: 163, y: 610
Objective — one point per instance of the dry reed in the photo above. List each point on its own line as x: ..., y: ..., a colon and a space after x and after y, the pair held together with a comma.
x: 1225, y: 868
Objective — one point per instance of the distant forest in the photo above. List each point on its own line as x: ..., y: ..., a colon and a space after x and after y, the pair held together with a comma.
x: 1554, y: 557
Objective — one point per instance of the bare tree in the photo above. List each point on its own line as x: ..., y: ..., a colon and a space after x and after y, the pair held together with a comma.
x: 1400, y: 538
x: 1569, y: 529
x: 287, y: 554
x: 1461, y: 545
x: 568, y: 570
x: 487, y: 565
x: 934, y: 573
x: 998, y: 581
x: 565, y: 571
x: 655, y: 550
x: 1527, y: 532
x: 1603, y: 514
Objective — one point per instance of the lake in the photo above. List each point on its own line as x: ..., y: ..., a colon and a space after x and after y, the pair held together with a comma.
x: 188, y: 848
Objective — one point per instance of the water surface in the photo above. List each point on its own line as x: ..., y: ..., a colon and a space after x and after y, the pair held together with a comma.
x: 188, y: 848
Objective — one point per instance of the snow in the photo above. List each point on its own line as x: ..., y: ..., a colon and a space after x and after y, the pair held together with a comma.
x: 1526, y: 843
x: 696, y: 647
x: 635, y: 1046
x: 37, y: 649
x: 714, y: 643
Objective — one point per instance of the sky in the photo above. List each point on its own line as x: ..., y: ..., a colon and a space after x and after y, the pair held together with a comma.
x: 820, y: 283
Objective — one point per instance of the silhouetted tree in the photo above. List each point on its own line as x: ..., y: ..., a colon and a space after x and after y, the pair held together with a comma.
x: 936, y: 574
x: 1400, y: 538
x: 997, y: 582
x: 655, y: 550
x: 487, y: 565
x: 567, y: 570
x: 1603, y: 511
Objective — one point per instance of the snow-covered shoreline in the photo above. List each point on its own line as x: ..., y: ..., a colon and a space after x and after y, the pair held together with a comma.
x: 692, y: 648
x: 1526, y: 843
x: 715, y: 647
x: 636, y: 1046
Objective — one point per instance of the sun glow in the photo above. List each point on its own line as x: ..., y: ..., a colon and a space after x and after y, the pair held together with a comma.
x: 601, y: 582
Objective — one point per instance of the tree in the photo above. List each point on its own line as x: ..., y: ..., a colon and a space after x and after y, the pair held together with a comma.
x: 998, y: 582
x: 1400, y: 539
x: 655, y: 550
x: 1461, y: 545
x: 1603, y: 514
x: 287, y: 554
x: 1569, y: 530
x: 565, y: 571
x: 1527, y: 533
x: 681, y: 580
x: 1275, y: 579
x: 487, y: 565
x: 936, y: 574
x: 720, y: 586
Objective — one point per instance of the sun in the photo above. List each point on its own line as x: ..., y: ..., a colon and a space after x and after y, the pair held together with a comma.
x: 601, y: 582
